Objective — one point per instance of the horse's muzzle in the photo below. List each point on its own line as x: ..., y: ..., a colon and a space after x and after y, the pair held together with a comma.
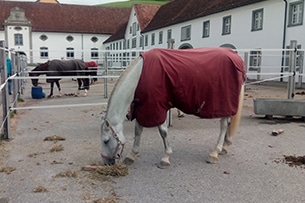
x: 107, y: 161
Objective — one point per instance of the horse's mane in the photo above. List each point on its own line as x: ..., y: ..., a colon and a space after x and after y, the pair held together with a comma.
x: 121, y: 79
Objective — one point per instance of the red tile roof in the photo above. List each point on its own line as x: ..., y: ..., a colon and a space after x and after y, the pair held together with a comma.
x: 178, y: 11
x: 68, y: 18
x: 145, y: 13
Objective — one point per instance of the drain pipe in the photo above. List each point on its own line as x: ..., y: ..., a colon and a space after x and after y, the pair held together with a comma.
x: 284, y: 40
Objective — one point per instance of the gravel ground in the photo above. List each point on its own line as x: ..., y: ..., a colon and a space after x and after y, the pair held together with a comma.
x: 252, y: 171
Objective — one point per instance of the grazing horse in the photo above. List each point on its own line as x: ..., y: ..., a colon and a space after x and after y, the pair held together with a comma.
x: 56, y: 68
x: 206, y: 82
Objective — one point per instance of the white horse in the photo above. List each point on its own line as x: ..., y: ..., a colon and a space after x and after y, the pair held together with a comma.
x: 124, y: 93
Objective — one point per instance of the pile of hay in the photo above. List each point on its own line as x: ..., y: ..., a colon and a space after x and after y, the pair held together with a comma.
x: 57, y: 148
x: 68, y: 174
x: 54, y: 138
x: 112, y: 170
x: 7, y: 169
x: 40, y: 189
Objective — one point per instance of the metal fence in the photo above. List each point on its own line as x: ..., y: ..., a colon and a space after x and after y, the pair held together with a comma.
x: 282, y: 65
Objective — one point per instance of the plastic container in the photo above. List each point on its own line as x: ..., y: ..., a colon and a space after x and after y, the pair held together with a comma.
x: 37, y: 93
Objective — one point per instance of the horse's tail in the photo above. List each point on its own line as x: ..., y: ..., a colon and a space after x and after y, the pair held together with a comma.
x: 235, y: 120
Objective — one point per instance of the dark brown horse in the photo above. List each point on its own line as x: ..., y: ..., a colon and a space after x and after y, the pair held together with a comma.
x: 56, y: 68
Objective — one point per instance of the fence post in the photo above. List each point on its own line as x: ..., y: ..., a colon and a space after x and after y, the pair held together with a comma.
x: 301, y: 60
x: 14, y: 81
x: 4, y: 93
x: 246, y: 56
x: 292, y: 64
x: 106, y: 74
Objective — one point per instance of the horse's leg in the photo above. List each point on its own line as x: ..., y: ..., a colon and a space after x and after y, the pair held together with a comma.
x: 51, y: 89
x: 130, y: 158
x: 213, y: 157
x: 86, y: 83
x: 58, y: 86
x: 163, y: 130
x: 227, y: 141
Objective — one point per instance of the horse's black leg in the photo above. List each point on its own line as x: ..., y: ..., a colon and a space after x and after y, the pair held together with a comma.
x: 51, y: 89
x: 86, y: 82
x: 79, y: 84
x: 58, y: 86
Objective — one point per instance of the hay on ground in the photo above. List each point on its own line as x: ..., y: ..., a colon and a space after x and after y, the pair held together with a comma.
x: 68, y: 174
x: 40, y: 189
x: 7, y: 169
x: 54, y: 138
x: 113, y: 198
x: 57, y: 148
x: 112, y: 170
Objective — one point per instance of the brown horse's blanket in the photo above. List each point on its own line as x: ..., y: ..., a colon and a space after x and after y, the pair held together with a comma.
x: 203, y: 82
x: 66, y: 68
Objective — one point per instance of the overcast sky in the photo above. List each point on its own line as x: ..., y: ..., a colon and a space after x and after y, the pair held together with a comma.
x: 80, y: 2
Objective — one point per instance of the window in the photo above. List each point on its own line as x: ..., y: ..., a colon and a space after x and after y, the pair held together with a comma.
x: 146, y: 40
x: 153, y: 39
x: 17, y: 28
x: 134, y: 42
x: 160, y: 37
x: 206, y: 29
x: 186, y: 33
x: 94, y: 39
x: 69, y: 38
x: 169, y: 34
x: 226, y: 25
x: 70, y: 53
x: 296, y: 13
x: 141, y: 41
x: 128, y: 44
x: 94, y: 53
x: 44, y: 53
x: 257, y: 19
x: 18, y: 40
x: 43, y: 37
x: 134, y: 29
x: 255, y: 60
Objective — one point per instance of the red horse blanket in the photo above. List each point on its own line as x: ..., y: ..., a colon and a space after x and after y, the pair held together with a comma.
x: 203, y: 82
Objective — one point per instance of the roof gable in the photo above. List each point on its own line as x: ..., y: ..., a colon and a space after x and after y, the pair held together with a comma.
x: 145, y: 13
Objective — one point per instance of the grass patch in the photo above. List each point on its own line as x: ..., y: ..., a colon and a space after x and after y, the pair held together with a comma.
x: 19, y: 99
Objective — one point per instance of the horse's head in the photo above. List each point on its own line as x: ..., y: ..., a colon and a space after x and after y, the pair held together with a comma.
x: 38, y: 70
x: 112, y: 142
x: 33, y: 74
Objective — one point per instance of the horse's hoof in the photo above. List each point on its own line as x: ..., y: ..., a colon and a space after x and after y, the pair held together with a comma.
x: 128, y: 161
x: 163, y: 165
x: 212, y: 160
